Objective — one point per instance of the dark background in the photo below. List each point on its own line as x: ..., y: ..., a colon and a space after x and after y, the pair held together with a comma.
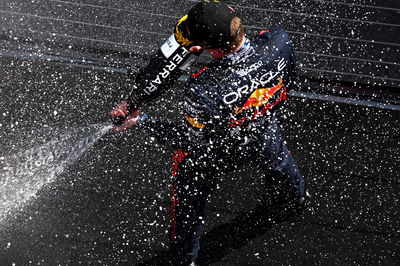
x: 347, y: 41
x: 111, y: 207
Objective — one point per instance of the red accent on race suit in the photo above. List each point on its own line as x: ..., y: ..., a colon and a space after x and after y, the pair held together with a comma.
x: 178, y: 156
x: 264, y: 31
x: 195, y: 75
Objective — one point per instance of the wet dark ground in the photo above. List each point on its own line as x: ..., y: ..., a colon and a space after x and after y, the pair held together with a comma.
x: 111, y: 207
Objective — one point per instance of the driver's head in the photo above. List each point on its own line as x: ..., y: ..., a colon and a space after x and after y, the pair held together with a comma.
x: 211, y: 25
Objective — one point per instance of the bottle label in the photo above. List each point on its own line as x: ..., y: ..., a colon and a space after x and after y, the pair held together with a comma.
x: 170, y: 46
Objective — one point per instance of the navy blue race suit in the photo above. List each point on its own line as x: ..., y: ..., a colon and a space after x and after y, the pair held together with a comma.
x: 228, y: 120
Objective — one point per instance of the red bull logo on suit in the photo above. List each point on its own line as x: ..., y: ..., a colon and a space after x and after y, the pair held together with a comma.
x: 260, y: 97
x: 265, y: 98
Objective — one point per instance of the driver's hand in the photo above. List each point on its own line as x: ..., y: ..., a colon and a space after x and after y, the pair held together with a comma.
x: 122, y: 110
x: 195, y: 49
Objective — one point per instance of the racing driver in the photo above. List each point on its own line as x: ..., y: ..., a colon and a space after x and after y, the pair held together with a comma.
x: 229, y: 118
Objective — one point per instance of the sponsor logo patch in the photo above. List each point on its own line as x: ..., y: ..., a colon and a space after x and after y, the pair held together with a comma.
x: 194, y: 122
x: 259, y: 97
